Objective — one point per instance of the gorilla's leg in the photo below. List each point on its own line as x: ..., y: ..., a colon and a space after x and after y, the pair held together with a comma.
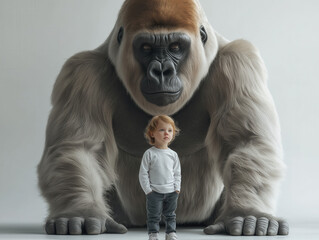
x: 73, y: 182
x: 248, y: 195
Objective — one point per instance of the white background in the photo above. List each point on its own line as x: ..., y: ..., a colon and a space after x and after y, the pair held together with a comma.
x: 37, y: 37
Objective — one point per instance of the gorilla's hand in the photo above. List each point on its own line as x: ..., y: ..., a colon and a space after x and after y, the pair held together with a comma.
x: 249, y: 225
x: 79, y: 225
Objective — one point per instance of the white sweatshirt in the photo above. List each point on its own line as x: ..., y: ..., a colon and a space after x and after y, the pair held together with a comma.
x: 160, y: 171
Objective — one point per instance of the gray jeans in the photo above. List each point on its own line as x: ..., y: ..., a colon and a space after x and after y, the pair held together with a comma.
x: 158, y: 204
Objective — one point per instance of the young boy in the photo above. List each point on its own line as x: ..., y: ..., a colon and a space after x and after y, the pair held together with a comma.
x: 160, y: 176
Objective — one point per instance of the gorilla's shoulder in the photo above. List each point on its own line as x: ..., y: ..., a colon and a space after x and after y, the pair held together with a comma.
x: 240, y: 63
x: 81, y: 75
x: 238, y: 47
x: 89, y: 59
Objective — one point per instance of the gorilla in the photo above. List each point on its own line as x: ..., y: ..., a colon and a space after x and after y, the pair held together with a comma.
x: 163, y: 57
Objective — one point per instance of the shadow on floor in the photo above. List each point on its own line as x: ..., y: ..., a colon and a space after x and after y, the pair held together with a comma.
x: 21, y: 229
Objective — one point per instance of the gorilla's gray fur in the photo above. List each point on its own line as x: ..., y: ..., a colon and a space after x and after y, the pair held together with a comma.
x: 230, y: 146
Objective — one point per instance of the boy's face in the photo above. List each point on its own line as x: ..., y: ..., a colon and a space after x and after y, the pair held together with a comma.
x: 163, y: 134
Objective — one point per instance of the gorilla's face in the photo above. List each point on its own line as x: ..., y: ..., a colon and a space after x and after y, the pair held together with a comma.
x: 160, y: 57
x: 160, y: 69
x: 161, y: 51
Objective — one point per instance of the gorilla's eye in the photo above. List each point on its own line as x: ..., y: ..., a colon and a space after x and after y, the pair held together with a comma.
x: 203, y: 34
x: 174, y: 47
x: 146, y: 48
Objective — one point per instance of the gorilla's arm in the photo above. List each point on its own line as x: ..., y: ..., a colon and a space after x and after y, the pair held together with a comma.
x: 77, y: 164
x: 247, y: 131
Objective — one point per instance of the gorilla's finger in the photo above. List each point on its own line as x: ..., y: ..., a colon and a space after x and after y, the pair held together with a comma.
x: 50, y: 226
x: 283, y: 228
x: 215, y: 229
x: 114, y: 227
x: 76, y: 225
x: 262, y: 226
x: 92, y: 226
x: 272, y: 227
x: 250, y: 226
x: 235, y: 226
x: 61, y: 226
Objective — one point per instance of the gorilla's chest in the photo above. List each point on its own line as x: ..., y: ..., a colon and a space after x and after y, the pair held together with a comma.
x: 129, y: 123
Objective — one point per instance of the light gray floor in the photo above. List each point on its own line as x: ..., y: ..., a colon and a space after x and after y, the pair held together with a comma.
x: 297, y: 231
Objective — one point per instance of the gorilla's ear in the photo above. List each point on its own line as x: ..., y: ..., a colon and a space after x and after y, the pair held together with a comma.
x: 203, y: 34
x: 120, y: 35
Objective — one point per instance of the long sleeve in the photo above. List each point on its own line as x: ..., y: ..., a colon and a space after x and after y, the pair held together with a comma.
x: 144, y: 174
x: 177, y: 174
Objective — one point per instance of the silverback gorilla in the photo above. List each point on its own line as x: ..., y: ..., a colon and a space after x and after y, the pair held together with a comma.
x: 163, y: 57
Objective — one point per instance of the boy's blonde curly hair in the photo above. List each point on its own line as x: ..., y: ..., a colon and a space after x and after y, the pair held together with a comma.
x: 152, y: 125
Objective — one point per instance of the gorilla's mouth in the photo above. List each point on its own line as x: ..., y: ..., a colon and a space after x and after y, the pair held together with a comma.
x: 163, y: 90
x: 171, y: 93
x: 162, y: 98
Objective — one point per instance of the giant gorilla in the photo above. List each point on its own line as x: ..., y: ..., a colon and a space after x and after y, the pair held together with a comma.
x: 163, y: 57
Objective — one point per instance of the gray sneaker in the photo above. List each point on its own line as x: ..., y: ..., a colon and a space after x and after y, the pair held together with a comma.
x: 171, y: 236
x: 153, y: 236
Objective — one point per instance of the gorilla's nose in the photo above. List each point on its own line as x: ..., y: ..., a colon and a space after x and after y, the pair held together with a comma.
x: 161, y: 73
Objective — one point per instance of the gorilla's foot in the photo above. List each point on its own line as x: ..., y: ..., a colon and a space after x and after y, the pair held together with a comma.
x: 249, y: 226
x: 79, y: 225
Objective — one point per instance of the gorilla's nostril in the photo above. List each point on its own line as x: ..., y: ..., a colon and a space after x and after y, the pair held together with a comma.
x: 157, y: 72
x: 168, y: 72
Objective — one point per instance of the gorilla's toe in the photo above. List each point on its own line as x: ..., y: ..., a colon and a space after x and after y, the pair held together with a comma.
x: 76, y: 225
x: 61, y: 226
x: 93, y: 226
